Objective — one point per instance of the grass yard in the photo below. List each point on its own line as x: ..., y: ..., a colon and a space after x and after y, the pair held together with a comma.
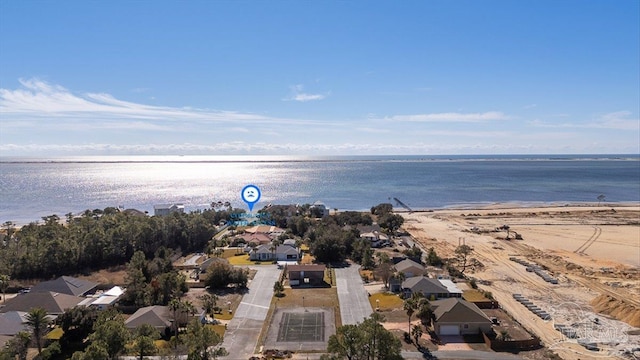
x: 473, y: 295
x: 388, y: 301
x: 223, y: 316
x: 232, y: 252
x: 219, y: 329
x: 244, y: 260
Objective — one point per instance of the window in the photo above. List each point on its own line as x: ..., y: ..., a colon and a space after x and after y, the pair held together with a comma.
x: 466, y: 326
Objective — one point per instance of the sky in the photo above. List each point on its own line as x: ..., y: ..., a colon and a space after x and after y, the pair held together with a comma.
x: 319, y: 77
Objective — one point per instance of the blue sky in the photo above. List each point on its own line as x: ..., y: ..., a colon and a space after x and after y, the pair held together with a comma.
x: 319, y: 77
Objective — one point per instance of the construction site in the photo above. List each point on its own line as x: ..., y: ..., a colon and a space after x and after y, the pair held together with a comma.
x: 569, y: 275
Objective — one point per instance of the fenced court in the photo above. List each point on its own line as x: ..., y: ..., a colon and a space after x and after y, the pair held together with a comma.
x: 301, y: 327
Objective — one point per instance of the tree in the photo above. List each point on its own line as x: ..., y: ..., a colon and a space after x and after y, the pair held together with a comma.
x: 425, y: 312
x: 200, y: 340
x: 367, y: 259
x: 278, y: 288
x: 462, y: 253
x: 37, y: 320
x: 601, y: 198
x: 416, y: 332
x: 391, y: 222
x: 410, y: 305
x: 366, y: 340
x: 110, y: 333
x: 433, y: 259
x: 346, y: 342
x: 209, y: 303
x: 18, y: 346
x: 4, y: 285
x: 385, y: 271
x: 143, y: 343
x: 95, y: 351
x: 382, y: 209
x: 77, y: 323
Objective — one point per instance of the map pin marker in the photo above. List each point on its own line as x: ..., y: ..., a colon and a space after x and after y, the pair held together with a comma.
x: 251, y: 195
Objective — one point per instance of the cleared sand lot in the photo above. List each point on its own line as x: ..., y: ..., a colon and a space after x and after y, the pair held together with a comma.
x: 594, y: 252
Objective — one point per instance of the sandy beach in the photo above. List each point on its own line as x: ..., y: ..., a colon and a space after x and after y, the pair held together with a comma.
x: 594, y: 252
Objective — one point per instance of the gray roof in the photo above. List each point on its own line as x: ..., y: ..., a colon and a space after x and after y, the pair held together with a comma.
x: 66, y: 285
x: 406, y: 264
x: 453, y: 310
x: 157, y: 316
x: 53, y: 303
x: 289, y: 242
x: 13, y: 322
x: 281, y: 249
x: 424, y: 285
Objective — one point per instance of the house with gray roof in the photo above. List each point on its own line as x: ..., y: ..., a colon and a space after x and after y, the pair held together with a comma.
x: 66, y: 285
x: 54, y: 303
x: 409, y: 268
x: 455, y: 316
x: 13, y: 322
x: 429, y: 288
x: 280, y: 253
x: 159, y: 317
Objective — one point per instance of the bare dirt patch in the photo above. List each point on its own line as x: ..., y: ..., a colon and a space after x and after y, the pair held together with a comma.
x: 562, y: 241
x: 112, y: 276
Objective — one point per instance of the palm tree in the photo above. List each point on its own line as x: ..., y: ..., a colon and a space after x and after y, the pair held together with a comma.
x: 38, y: 322
x: 601, y: 198
x: 416, y: 332
x: 410, y: 307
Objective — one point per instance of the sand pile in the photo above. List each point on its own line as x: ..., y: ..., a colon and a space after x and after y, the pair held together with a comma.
x: 618, y: 309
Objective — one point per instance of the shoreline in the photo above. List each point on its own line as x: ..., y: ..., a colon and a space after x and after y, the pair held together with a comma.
x: 511, y: 205
x: 515, y: 205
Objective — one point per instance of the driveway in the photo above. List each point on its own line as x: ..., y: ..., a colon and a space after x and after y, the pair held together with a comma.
x: 354, y: 300
x: 244, y: 328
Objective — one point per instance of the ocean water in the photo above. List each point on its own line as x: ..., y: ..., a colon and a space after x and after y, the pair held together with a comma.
x: 32, y: 188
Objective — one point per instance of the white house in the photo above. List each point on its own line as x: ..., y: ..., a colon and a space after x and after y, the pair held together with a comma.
x: 376, y: 238
x: 280, y: 253
x: 321, y: 208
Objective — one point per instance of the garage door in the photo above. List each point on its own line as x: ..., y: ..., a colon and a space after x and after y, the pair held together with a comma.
x: 449, y: 330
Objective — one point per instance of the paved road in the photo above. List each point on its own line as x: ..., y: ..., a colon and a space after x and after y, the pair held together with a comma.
x: 354, y: 300
x: 243, y: 330
x: 462, y: 355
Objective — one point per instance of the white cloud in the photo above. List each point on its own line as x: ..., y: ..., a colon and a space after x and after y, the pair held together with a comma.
x: 298, y: 94
x: 619, y: 120
x: 240, y: 147
x: 38, y: 100
x: 452, y: 117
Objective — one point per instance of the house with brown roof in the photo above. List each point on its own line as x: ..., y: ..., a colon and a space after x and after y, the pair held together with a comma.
x: 306, y: 275
x: 455, y: 316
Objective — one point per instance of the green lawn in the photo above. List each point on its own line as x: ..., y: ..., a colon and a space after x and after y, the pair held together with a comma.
x: 388, y: 301
x: 244, y: 260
